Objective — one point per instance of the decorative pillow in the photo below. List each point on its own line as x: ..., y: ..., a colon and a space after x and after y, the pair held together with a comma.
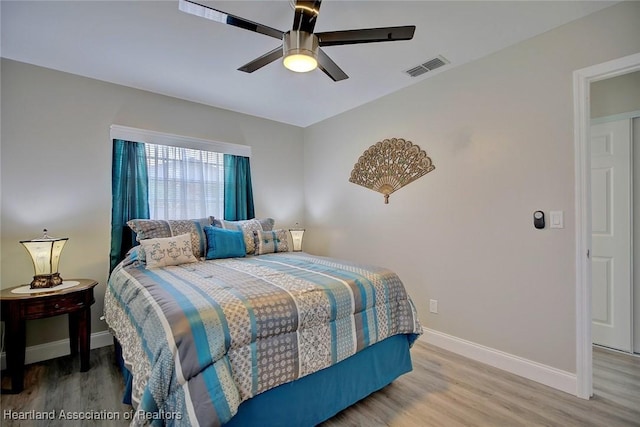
x: 164, y: 251
x: 223, y: 243
x: 247, y: 227
x: 157, y: 228
x: 266, y: 223
x: 268, y: 242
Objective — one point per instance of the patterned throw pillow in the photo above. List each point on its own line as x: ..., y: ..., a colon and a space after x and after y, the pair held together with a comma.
x: 223, y: 243
x: 155, y: 228
x: 266, y: 223
x: 164, y: 251
x: 268, y: 242
x: 247, y: 227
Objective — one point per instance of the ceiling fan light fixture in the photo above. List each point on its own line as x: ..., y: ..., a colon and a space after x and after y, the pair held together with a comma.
x: 300, y: 62
x: 300, y: 51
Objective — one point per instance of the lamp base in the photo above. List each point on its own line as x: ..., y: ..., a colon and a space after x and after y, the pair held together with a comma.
x: 46, y: 281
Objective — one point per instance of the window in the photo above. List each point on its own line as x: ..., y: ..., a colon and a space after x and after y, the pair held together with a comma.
x: 185, y: 174
x: 184, y: 182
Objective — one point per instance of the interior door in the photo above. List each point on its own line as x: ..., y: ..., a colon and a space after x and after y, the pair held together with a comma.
x: 611, y: 239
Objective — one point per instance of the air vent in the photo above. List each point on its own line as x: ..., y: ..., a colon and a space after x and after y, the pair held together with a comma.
x: 430, y: 65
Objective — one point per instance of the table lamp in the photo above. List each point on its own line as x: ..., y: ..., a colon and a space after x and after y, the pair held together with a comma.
x: 296, y: 237
x: 45, y: 254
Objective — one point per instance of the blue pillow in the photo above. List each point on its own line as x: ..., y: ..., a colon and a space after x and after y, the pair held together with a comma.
x: 223, y: 243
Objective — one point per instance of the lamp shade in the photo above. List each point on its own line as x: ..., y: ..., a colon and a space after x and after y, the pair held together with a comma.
x: 45, y: 255
x: 296, y: 238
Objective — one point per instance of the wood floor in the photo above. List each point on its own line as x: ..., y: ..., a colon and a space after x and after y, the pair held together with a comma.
x: 444, y: 389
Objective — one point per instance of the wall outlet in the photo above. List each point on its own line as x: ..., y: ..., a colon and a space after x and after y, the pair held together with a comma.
x: 433, y: 306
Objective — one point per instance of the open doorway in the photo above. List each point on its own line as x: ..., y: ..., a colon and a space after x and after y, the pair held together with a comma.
x: 615, y: 145
x: 582, y: 130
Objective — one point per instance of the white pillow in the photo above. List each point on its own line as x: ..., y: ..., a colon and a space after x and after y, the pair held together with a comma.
x: 164, y: 251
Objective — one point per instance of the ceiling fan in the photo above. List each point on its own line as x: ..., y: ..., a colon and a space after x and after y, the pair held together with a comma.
x: 301, y: 47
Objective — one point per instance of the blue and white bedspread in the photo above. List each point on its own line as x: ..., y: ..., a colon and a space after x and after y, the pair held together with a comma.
x: 201, y: 338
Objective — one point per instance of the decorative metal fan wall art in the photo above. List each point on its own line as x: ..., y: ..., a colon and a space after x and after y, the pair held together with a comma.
x: 389, y: 165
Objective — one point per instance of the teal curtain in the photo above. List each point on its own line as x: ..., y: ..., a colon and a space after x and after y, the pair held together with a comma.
x: 129, y: 195
x: 238, y: 194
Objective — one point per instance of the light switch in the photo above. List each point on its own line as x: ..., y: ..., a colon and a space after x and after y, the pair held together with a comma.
x: 556, y: 219
x: 433, y: 306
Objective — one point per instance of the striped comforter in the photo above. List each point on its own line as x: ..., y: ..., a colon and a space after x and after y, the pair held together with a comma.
x: 201, y: 338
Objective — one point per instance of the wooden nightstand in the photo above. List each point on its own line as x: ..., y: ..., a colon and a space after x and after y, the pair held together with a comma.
x: 17, y: 308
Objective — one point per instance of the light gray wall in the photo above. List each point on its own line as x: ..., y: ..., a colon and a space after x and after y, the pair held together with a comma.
x: 500, y: 133
x: 56, y: 168
x: 616, y: 95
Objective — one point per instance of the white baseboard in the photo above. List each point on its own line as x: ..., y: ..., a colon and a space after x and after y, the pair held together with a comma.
x: 547, y: 375
x: 51, y: 350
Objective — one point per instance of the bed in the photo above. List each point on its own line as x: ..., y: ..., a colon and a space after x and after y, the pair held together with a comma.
x: 272, y: 339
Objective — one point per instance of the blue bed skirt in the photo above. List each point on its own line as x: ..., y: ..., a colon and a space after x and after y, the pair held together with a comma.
x: 319, y: 396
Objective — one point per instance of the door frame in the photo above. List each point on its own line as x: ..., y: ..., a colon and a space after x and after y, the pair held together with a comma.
x: 582, y: 80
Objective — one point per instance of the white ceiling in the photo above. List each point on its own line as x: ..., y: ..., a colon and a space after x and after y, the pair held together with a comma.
x: 151, y: 45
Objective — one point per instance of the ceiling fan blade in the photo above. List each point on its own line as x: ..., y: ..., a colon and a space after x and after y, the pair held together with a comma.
x: 260, y: 62
x: 366, y: 35
x: 207, y: 12
x: 329, y: 67
x: 306, y: 15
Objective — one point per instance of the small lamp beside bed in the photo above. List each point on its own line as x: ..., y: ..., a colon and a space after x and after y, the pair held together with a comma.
x: 296, y: 237
x: 45, y: 255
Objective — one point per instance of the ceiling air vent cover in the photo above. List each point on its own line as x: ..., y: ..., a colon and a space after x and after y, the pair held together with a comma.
x: 431, y: 64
